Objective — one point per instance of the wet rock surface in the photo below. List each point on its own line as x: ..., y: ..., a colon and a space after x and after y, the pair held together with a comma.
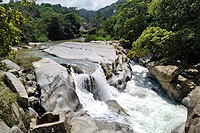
x: 110, y: 55
x: 171, y: 80
x: 116, y: 107
x: 94, y: 52
x: 181, y: 85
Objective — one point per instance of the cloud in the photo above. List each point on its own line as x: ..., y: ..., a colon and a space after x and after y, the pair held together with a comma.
x: 87, y: 4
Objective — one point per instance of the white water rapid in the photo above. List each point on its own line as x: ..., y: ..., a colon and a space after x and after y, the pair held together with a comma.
x: 149, y: 109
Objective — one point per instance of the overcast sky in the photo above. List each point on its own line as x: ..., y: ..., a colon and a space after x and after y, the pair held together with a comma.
x: 87, y: 4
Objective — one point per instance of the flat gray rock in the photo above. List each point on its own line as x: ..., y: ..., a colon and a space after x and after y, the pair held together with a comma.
x: 95, y: 52
x: 46, y: 70
x: 11, y: 64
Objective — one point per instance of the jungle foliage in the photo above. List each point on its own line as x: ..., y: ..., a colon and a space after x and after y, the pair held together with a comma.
x: 168, y: 26
x: 27, y: 21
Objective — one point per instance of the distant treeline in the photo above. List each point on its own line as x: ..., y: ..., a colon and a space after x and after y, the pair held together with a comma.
x: 47, y: 22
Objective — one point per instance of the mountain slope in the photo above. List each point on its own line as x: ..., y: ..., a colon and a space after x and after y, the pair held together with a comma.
x: 112, y: 9
x: 106, y: 11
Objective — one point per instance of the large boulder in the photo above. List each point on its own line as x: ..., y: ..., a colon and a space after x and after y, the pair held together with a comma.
x: 11, y: 65
x: 119, y: 72
x: 57, y: 86
x: 86, y: 124
x: 176, y: 86
x: 61, y: 97
x: 165, y: 73
x: 111, y: 127
x: 193, y: 119
x: 16, y: 85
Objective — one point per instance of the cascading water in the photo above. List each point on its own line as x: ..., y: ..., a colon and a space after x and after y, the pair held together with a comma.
x: 149, y: 109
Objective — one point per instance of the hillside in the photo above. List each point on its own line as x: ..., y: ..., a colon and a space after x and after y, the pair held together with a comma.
x: 107, y: 11
x: 112, y: 9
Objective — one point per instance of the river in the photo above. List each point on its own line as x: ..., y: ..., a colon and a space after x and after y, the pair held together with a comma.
x: 148, y: 106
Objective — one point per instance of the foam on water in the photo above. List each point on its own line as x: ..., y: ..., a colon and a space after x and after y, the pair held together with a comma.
x: 150, y: 111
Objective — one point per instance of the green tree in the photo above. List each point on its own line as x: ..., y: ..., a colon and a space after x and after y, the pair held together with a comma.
x: 180, y: 17
x: 9, y: 33
x: 130, y: 21
x: 154, y: 39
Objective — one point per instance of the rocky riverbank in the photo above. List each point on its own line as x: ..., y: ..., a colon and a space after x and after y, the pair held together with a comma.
x: 50, y: 93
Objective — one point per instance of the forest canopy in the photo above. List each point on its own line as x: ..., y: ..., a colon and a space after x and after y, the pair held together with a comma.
x: 168, y: 26
x: 27, y: 21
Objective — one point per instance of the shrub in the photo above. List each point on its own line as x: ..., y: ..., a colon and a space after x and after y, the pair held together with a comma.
x: 89, y: 38
x: 125, y: 43
x: 179, y: 46
x: 42, y: 38
x: 155, y: 39
x: 7, y: 98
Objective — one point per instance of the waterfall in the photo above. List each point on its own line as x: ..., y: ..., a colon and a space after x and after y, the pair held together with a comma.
x: 150, y: 111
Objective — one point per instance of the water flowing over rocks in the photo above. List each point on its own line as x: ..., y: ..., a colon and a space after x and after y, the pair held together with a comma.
x: 110, y: 55
x: 87, y: 91
x: 58, y: 91
x: 181, y: 85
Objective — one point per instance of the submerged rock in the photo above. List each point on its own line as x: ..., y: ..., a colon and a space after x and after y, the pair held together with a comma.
x: 116, y: 107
